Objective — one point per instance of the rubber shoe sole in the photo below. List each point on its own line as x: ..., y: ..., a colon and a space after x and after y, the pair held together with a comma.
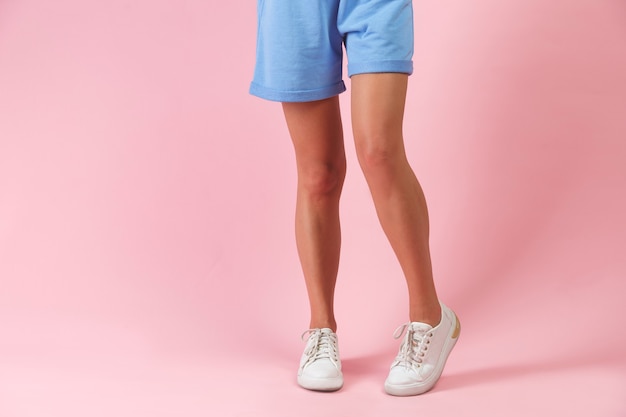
x: 320, y: 384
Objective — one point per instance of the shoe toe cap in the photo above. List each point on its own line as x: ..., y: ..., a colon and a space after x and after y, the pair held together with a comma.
x: 400, y: 375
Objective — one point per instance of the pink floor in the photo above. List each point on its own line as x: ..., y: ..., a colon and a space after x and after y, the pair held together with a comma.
x: 535, y: 358
x: 147, y: 259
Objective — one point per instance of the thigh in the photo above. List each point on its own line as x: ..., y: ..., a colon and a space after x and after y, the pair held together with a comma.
x: 316, y: 132
x: 378, y: 102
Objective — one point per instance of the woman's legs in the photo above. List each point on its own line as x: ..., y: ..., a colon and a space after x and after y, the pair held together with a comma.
x: 316, y: 131
x: 377, y: 115
x: 317, y: 135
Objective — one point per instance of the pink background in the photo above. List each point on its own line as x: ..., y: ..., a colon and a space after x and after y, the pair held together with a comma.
x: 147, y: 259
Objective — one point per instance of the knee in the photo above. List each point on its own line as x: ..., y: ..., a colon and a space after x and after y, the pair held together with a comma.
x: 323, y: 180
x: 379, y: 156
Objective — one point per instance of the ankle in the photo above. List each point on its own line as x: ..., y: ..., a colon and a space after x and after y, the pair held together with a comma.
x: 426, y: 314
x: 322, y: 324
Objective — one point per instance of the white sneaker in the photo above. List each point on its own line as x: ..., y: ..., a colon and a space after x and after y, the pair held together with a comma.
x: 422, y: 355
x: 320, y: 367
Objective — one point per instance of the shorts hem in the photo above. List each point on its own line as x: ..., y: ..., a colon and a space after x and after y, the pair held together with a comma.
x: 400, y: 66
x: 296, y: 96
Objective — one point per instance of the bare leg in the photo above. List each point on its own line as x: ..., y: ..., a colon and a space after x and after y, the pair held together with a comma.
x: 317, y: 136
x: 377, y: 114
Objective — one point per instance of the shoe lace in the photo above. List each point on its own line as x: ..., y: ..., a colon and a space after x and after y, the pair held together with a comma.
x: 321, y: 345
x: 413, y: 347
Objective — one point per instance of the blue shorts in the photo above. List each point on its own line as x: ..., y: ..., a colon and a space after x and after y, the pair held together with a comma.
x: 299, y: 45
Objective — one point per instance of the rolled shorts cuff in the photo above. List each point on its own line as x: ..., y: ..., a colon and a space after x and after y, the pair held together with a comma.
x: 401, y: 66
x: 297, y: 96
